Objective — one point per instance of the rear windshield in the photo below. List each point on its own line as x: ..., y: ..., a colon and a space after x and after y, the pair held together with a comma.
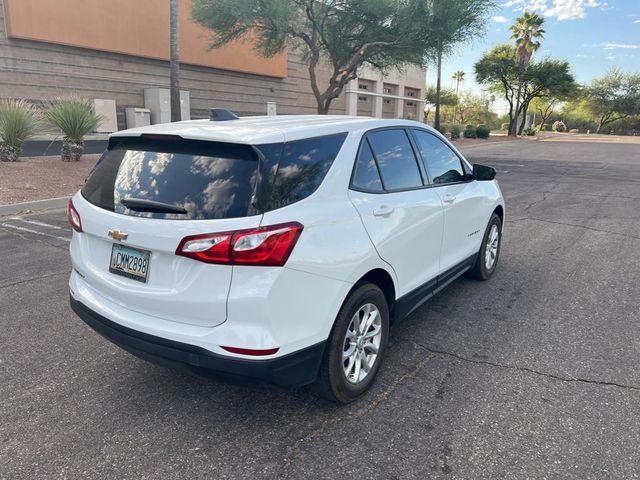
x: 209, y: 180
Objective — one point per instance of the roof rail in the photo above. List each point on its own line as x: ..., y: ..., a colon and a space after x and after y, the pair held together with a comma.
x: 222, y: 115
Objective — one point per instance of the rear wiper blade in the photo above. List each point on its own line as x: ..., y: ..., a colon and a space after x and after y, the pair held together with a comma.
x: 142, y: 205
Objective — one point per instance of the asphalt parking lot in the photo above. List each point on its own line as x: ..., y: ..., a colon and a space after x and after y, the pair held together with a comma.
x: 534, y: 374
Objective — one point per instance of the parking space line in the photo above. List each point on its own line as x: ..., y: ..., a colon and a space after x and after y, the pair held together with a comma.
x: 23, y: 229
x: 38, y: 223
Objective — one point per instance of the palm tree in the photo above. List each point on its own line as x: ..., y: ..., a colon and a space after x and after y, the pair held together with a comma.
x: 174, y: 62
x: 459, y: 78
x: 525, y: 31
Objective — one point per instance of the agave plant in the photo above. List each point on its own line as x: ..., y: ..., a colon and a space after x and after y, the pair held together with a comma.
x: 19, y: 120
x: 74, y: 116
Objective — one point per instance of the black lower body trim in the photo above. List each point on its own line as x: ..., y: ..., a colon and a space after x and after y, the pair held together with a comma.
x: 295, y: 369
x: 412, y: 300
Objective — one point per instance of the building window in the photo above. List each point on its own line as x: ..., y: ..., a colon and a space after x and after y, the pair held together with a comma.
x: 411, y: 94
x: 411, y: 104
x: 362, y: 98
x: 386, y: 101
x: 386, y: 90
x: 363, y: 86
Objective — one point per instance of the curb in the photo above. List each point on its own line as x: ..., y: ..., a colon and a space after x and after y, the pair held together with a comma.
x: 47, y: 204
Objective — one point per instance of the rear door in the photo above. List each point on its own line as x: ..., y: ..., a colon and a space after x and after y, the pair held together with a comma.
x: 126, y: 251
x: 464, y: 202
x: 401, y: 214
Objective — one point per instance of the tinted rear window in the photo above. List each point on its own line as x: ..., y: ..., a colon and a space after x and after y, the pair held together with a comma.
x: 209, y: 180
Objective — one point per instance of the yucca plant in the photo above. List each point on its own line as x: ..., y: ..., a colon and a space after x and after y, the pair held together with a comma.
x: 74, y: 116
x: 19, y: 120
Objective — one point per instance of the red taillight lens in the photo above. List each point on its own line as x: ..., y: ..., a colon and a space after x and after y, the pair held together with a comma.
x: 74, y: 217
x: 263, y: 246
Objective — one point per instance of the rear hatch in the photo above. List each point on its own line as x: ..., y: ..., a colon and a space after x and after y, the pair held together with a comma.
x: 143, y: 197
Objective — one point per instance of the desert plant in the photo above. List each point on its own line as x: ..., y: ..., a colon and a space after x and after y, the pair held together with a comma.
x: 482, y: 131
x: 470, y: 132
x: 19, y: 120
x: 530, y: 132
x: 559, y: 126
x: 455, y: 131
x: 74, y: 116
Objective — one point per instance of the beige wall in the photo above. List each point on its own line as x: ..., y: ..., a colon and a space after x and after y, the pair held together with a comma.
x: 133, y: 27
x: 38, y: 71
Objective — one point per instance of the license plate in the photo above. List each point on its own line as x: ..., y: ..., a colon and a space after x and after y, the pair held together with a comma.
x: 130, y: 262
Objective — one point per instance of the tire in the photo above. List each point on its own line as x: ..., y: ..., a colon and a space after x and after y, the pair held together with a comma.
x: 333, y: 382
x: 481, y: 270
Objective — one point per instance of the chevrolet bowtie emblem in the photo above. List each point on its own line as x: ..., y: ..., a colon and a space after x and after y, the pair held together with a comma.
x: 117, y: 234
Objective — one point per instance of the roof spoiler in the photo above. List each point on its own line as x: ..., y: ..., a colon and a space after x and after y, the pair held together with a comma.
x: 222, y: 115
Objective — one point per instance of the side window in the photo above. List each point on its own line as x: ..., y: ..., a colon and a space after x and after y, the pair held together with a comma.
x: 443, y: 165
x: 366, y: 175
x: 395, y: 158
x: 302, y: 168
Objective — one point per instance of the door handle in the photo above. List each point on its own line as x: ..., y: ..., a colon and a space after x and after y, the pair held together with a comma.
x: 448, y: 198
x: 383, y: 211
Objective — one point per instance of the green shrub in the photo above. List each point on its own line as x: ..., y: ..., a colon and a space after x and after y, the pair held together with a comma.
x: 455, y: 131
x: 482, y: 131
x: 443, y: 129
x: 470, y: 132
x: 530, y: 132
x: 19, y: 120
x: 504, y: 126
x: 559, y: 126
x: 74, y: 116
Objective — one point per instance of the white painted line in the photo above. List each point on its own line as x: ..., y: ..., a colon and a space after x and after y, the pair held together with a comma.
x: 36, y: 222
x: 22, y: 229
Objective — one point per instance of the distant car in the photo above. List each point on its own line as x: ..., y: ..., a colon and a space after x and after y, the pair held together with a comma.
x: 276, y: 248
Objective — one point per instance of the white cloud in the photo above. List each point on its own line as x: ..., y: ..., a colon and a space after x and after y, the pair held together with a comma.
x: 561, y: 9
x: 499, y: 19
x: 624, y: 46
x: 637, y: 21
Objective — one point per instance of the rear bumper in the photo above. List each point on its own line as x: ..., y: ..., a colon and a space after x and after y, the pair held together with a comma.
x: 295, y: 369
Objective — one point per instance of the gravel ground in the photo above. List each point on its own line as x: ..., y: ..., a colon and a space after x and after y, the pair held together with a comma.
x: 37, y: 178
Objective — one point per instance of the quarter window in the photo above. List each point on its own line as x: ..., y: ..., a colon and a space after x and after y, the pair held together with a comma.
x: 366, y: 176
x: 395, y: 158
x: 443, y: 165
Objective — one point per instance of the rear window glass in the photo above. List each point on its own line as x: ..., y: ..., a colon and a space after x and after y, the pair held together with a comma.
x: 303, y: 166
x: 209, y: 180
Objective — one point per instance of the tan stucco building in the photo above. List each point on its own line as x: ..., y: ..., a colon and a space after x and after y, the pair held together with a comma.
x: 115, y: 50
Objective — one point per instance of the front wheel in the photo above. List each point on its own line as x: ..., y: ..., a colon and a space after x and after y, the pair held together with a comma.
x: 356, y: 345
x: 489, y: 250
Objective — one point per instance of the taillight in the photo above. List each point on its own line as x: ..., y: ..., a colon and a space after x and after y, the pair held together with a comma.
x: 74, y: 217
x: 262, y: 246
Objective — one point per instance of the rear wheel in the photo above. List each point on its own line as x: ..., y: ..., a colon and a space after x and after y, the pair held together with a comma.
x: 356, y: 345
x: 489, y: 250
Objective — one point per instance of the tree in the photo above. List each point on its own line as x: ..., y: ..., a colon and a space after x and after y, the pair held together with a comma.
x: 343, y: 33
x: 547, y: 78
x: 447, y: 98
x: 613, y: 97
x: 174, y: 62
x: 498, y: 71
x: 525, y: 31
x: 458, y: 77
x: 449, y: 24
x: 544, y: 108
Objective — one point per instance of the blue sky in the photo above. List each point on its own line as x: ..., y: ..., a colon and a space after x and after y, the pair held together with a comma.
x: 592, y: 35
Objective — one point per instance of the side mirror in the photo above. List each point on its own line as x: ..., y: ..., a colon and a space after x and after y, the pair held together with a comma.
x: 483, y: 173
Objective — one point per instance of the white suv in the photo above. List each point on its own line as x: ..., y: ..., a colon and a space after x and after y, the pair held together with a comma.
x: 276, y: 248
